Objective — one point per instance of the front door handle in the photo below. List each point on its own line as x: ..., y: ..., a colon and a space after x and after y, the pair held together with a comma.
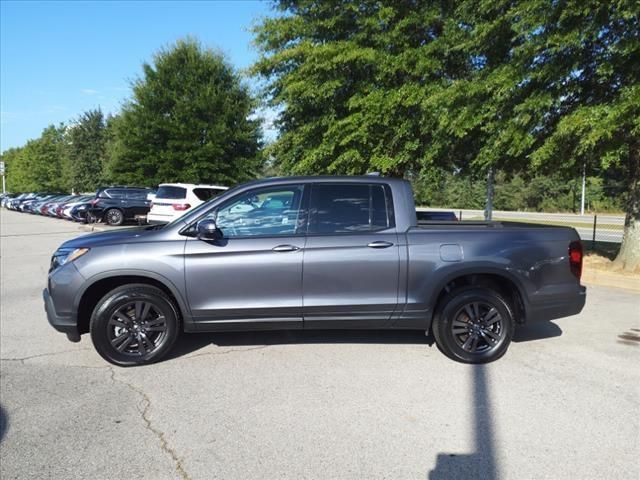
x: 380, y: 244
x: 285, y: 248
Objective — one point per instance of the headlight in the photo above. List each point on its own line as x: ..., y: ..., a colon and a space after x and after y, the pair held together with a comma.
x: 66, y: 255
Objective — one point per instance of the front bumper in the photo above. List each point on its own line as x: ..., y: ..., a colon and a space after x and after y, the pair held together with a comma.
x: 64, y: 324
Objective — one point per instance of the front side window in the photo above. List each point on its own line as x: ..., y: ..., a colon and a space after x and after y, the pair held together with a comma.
x: 264, y: 212
x: 344, y: 208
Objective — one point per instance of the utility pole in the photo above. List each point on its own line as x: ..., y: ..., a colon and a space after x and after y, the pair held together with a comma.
x: 584, y: 184
x: 488, y: 210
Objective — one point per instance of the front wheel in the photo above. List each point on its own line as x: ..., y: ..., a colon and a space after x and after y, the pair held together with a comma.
x: 134, y: 325
x: 114, y: 217
x: 474, y: 325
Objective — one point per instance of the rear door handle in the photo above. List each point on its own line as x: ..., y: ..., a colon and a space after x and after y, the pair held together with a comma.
x: 380, y: 244
x: 285, y: 248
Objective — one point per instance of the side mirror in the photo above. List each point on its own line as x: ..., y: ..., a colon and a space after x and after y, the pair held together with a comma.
x: 208, y: 230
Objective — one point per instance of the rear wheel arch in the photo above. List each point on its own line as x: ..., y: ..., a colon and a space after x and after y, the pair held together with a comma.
x: 494, y: 279
x: 87, y: 299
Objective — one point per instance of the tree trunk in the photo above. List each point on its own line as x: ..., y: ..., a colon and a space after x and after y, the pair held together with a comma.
x: 628, y: 258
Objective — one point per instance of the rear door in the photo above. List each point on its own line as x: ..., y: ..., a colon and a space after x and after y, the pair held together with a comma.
x: 136, y: 202
x: 351, y: 261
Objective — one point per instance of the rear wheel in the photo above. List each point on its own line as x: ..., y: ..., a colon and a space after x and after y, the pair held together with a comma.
x: 474, y: 325
x: 134, y: 325
x: 114, y: 217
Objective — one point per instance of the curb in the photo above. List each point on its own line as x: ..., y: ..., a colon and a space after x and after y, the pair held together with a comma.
x: 93, y: 228
x: 611, y: 279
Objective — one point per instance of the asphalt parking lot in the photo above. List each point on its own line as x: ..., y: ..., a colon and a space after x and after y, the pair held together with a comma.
x: 563, y: 403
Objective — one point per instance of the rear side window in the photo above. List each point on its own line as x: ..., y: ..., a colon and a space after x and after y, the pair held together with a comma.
x: 167, y: 191
x: 344, y: 208
x: 137, y: 194
x: 205, y: 194
x: 115, y: 193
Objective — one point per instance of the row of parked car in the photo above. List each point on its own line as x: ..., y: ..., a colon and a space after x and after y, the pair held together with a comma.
x: 116, y: 205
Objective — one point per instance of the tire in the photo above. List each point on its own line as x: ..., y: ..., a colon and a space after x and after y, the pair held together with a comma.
x: 474, y: 325
x: 114, y: 217
x: 134, y: 324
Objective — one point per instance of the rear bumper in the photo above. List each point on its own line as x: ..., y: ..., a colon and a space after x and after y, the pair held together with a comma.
x: 558, y: 307
x: 64, y: 324
x: 159, y: 219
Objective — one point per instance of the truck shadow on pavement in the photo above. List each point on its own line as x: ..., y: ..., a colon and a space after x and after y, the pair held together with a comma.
x: 189, y: 343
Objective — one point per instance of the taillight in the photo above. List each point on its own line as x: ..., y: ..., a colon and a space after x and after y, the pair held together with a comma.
x: 181, y: 206
x: 575, y: 258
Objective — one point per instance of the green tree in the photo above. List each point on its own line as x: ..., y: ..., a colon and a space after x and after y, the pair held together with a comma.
x: 38, y: 165
x: 352, y: 79
x: 467, y: 86
x: 9, y: 157
x: 189, y: 120
x: 86, y: 151
x: 557, y: 86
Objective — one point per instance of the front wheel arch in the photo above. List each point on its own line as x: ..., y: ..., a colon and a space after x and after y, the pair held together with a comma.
x: 88, y: 298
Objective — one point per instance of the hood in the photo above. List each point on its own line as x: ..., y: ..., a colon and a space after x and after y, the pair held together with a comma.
x: 119, y: 236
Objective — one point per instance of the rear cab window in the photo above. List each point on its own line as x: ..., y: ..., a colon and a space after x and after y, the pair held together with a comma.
x: 350, y: 208
x: 173, y: 192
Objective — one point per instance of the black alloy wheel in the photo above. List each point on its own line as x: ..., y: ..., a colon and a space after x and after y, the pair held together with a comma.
x: 474, y: 325
x: 134, y: 324
x: 114, y: 217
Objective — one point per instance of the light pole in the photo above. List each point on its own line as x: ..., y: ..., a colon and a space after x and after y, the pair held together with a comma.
x: 584, y: 183
x: 488, y: 209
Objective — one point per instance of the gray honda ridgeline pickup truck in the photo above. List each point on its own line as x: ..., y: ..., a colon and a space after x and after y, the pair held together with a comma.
x: 313, y: 253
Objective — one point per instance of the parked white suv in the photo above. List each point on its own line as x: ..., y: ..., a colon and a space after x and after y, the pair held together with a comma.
x: 173, y: 200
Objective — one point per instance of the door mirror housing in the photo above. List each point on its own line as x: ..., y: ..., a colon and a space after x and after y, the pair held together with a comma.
x: 208, y: 230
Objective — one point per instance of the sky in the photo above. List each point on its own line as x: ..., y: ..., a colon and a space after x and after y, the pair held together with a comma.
x: 59, y: 59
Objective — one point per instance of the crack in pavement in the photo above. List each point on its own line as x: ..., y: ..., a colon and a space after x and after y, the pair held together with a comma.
x: 40, y: 355
x: 144, y: 413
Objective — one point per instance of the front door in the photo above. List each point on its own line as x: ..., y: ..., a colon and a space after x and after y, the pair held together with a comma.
x: 252, y: 277
x: 351, y: 259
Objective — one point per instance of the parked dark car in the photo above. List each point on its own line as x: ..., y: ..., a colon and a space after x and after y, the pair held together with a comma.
x: 18, y: 202
x: 79, y: 212
x: 116, y: 205
x: 313, y: 253
x: 28, y: 205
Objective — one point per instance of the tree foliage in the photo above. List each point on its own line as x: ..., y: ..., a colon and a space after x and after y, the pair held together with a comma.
x: 188, y: 120
x: 87, y: 139
x: 352, y: 79
x: 39, y: 164
x: 404, y: 86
